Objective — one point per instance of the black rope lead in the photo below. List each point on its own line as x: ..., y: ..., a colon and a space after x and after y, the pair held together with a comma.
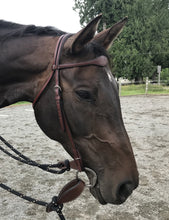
x: 52, y: 206
x: 38, y: 202
x: 63, y: 166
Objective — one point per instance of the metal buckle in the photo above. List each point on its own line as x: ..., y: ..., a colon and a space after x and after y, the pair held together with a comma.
x: 57, y: 87
x: 54, y: 67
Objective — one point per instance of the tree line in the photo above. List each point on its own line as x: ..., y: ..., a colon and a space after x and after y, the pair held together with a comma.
x: 144, y: 42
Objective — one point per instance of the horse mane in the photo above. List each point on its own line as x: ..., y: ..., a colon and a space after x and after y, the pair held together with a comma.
x: 12, y: 30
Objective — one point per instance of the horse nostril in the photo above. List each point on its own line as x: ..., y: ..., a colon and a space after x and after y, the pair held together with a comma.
x: 124, y: 190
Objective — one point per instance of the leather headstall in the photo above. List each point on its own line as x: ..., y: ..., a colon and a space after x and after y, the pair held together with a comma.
x: 100, y: 61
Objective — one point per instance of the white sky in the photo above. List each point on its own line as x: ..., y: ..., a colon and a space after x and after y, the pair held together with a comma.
x: 57, y: 13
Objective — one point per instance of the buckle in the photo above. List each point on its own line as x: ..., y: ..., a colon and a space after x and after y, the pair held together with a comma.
x: 58, y: 87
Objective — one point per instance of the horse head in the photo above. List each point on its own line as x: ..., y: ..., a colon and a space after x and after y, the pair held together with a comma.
x: 92, y: 108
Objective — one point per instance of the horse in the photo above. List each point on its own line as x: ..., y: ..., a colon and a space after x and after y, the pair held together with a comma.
x: 88, y: 106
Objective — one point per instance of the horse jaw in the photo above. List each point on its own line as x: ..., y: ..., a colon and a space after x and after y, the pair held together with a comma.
x: 111, y: 180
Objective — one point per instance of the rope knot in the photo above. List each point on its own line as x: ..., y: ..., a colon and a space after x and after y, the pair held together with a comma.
x: 54, y: 206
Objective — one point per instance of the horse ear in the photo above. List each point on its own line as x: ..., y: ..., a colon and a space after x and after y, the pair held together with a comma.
x: 77, y: 41
x: 106, y: 37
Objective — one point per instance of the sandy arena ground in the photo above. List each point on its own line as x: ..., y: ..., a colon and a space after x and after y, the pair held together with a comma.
x: 147, y: 123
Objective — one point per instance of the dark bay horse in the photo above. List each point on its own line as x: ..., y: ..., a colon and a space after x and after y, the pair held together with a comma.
x: 89, y: 97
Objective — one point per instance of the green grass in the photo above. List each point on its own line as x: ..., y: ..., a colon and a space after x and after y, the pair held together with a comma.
x: 140, y: 90
x: 127, y: 90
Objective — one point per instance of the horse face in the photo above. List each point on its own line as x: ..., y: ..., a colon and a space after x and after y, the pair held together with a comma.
x: 92, y: 108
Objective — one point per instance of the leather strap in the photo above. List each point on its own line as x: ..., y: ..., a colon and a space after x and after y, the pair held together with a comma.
x: 99, y: 61
x: 69, y: 192
x: 57, y: 55
x: 62, y: 118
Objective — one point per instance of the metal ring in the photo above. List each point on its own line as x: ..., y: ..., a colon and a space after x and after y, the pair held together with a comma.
x: 94, y: 177
x: 77, y: 177
x: 57, y: 87
x: 87, y: 185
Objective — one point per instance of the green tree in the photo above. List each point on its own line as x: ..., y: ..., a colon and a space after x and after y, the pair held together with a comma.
x: 144, y: 42
x: 165, y: 75
x: 88, y: 9
x: 159, y: 44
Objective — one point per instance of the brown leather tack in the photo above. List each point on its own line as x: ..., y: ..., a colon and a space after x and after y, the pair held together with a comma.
x: 73, y: 165
x: 70, y: 191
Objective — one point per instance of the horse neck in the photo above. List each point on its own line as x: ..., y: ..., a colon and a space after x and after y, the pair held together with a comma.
x: 24, y: 66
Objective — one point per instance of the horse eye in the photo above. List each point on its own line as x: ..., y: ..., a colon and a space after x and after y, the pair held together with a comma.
x: 83, y: 94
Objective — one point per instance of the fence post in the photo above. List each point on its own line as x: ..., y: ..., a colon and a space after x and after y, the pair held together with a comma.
x: 159, y: 72
x: 146, y: 86
x: 119, y: 87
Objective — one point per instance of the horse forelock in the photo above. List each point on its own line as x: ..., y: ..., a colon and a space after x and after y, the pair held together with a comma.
x: 96, y: 49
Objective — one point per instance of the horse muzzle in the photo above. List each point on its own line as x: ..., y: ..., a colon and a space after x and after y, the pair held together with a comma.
x: 109, y: 192
x: 116, y: 194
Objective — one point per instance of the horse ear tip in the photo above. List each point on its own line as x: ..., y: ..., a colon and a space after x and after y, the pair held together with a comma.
x: 100, y: 15
x: 125, y: 19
